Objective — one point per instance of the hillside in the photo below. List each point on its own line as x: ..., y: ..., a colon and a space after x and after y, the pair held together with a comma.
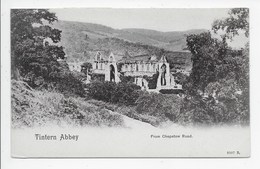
x: 82, y: 40
x: 172, y: 41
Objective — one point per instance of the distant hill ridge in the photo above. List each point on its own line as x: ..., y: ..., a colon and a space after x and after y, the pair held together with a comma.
x: 81, y: 40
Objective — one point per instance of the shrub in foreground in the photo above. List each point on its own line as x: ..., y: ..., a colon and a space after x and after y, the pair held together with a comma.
x: 159, y: 105
x: 209, y: 111
x: 68, y: 83
x: 121, y: 93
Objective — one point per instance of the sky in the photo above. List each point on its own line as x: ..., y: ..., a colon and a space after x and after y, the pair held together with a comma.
x: 160, y: 19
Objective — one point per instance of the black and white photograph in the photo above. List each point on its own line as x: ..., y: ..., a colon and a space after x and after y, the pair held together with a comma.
x: 128, y: 82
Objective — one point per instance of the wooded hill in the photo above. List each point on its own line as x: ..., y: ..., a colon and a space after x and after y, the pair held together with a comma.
x: 82, y: 40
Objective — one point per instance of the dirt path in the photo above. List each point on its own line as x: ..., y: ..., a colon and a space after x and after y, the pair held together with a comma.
x: 132, y: 123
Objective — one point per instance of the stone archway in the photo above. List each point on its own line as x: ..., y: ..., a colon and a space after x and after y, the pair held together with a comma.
x: 163, y: 73
x: 112, y: 73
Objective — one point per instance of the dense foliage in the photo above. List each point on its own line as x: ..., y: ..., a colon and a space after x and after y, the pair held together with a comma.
x: 212, y: 59
x: 152, y: 81
x: 238, y: 20
x: 159, y: 105
x: 30, y: 52
x: 126, y: 79
x: 86, y: 68
x: 180, y: 78
x: 34, y: 52
x: 217, y: 91
x: 121, y: 93
x: 97, y: 77
x: 171, y: 91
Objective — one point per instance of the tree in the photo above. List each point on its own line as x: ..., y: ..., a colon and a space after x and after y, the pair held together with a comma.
x: 35, y: 55
x: 208, y: 55
x: 238, y: 20
x: 181, y: 78
x: 218, y: 87
x: 32, y: 54
x: 86, y: 67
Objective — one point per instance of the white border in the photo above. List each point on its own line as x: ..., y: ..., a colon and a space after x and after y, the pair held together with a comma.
x: 249, y: 163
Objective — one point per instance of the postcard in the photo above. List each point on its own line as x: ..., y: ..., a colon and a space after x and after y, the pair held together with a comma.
x: 130, y: 82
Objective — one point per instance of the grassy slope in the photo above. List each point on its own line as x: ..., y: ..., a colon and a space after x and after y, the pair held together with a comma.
x: 32, y: 108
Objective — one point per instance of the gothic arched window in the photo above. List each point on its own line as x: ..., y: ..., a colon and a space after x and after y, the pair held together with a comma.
x: 163, y: 78
x: 112, y: 73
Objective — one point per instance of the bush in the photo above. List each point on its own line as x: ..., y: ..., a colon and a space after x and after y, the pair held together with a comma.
x: 127, y: 79
x: 180, y: 78
x: 152, y: 81
x: 171, y: 91
x: 195, y: 112
x: 86, y: 67
x: 68, y: 83
x: 125, y: 93
x: 121, y: 93
x: 97, y: 77
x: 62, y: 80
x: 208, y: 111
x: 166, y: 107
